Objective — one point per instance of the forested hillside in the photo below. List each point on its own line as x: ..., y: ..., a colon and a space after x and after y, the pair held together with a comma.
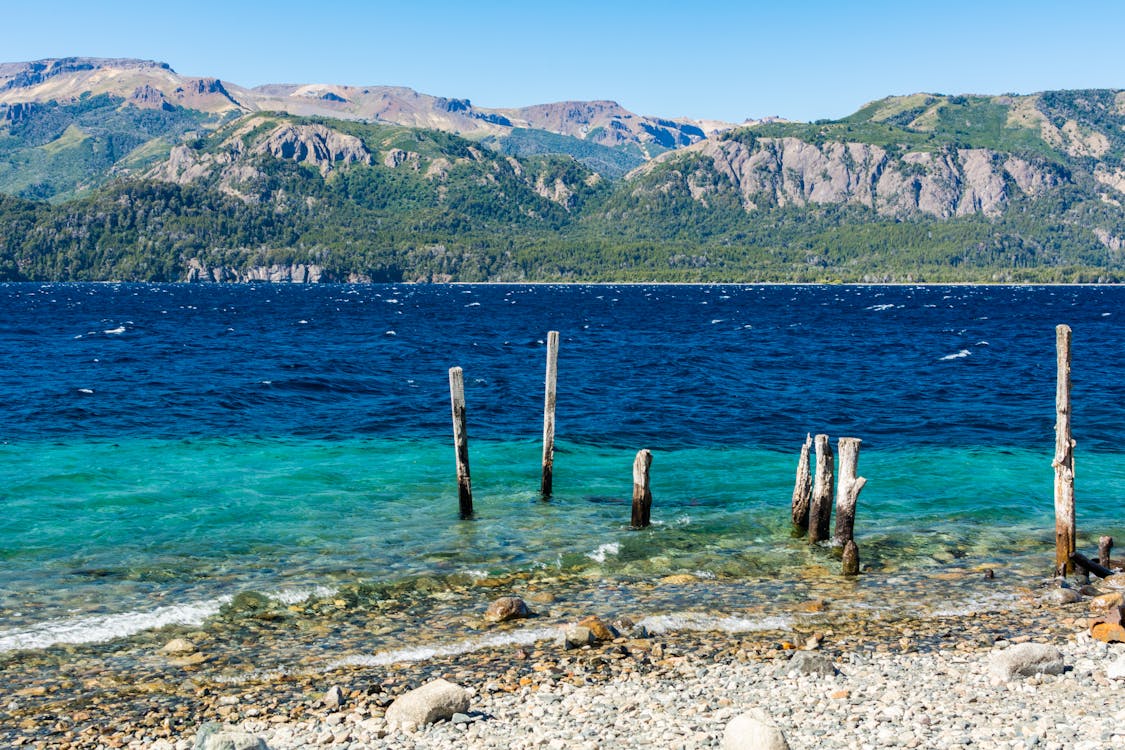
x: 920, y: 188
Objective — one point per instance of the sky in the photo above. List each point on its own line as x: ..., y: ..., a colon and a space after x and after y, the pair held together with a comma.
x: 802, y: 60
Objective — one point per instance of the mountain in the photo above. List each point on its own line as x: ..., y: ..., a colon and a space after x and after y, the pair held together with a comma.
x: 47, y: 97
x: 122, y: 169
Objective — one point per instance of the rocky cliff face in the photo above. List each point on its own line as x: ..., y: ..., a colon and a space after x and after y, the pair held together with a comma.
x: 196, y: 272
x: 792, y: 172
x: 312, y: 144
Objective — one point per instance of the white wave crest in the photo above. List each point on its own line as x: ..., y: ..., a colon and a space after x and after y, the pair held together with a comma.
x: 599, y: 555
x: 99, y: 628
x: 958, y: 355
x: 701, y: 622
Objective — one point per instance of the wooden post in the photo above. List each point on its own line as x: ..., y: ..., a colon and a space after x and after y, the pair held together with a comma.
x: 1065, y: 531
x: 820, y: 509
x: 642, y: 494
x: 848, y: 487
x: 549, y: 414
x: 461, y: 441
x: 850, y: 560
x: 802, y: 489
x: 1105, y: 547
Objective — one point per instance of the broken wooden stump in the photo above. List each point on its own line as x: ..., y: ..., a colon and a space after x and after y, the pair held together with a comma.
x: 850, y: 559
x: 546, y: 485
x: 642, y: 493
x: 1105, y: 547
x: 461, y: 441
x: 848, y: 487
x: 802, y: 489
x: 820, y: 507
x: 1065, y: 531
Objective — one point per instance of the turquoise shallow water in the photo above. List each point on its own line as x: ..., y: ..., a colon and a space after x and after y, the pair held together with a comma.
x: 105, y: 529
x: 164, y: 448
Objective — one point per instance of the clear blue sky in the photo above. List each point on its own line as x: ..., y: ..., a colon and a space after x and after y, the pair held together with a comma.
x: 804, y: 59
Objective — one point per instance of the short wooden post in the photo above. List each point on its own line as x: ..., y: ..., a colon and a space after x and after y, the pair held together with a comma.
x: 549, y: 414
x: 1065, y: 531
x: 642, y: 493
x: 1105, y: 547
x: 850, y: 560
x: 848, y: 487
x: 820, y: 509
x: 802, y: 489
x: 461, y: 441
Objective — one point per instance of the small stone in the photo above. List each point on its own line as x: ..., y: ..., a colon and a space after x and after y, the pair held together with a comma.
x: 841, y: 695
x: 1115, y: 582
x: 1116, y: 670
x: 1026, y: 659
x: 434, y: 701
x: 679, y: 579
x: 507, y: 608
x: 178, y: 647
x: 213, y: 737
x: 807, y: 662
x: 460, y: 718
x: 753, y: 731
x: 1108, y: 632
x: 1105, y: 601
x: 599, y: 628
x: 334, y: 698
x: 1059, y: 597
x: 577, y: 637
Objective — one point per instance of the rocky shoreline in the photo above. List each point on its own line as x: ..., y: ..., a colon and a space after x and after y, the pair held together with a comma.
x: 860, y: 679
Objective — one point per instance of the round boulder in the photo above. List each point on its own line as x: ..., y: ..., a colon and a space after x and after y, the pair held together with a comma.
x: 507, y: 608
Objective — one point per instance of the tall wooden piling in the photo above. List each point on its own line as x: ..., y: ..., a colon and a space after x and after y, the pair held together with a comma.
x: 549, y: 414
x: 802, y: 488
x: 820, y: 509
x: 848, y: 487
x: 461, y: 441
x: 642, y: 493
x: 1065, y: 531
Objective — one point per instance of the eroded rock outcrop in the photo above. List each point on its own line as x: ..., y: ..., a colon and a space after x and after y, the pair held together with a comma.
x: 793, y: 172
x: 317, y: 145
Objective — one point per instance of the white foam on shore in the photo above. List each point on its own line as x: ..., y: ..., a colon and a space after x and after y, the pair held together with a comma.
x: 697, y: 621
x: 99, y: 628
x: 422, y: 653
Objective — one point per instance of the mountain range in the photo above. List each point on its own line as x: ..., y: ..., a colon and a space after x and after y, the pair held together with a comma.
x: 124, y: 169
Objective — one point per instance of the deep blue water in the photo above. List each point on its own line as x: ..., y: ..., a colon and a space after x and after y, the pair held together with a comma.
x: 665, y: 366
x: 177, y: 444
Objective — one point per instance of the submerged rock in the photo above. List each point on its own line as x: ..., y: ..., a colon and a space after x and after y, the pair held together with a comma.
x: 507, y: 608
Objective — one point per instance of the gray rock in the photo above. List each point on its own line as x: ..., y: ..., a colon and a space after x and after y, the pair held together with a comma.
x: 212, y: 736
x: 334, y: 698
x: 1026, y: 659
x: 753, y: 731
x: 1062, y: 596
x: 178, y: 646
x: 1116, y: 670
x: 434, y: 701
x: 807, y: 662
x: 577, y: 637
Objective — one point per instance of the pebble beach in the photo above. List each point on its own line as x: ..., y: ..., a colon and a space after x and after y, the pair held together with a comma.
x: 843, y: 679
